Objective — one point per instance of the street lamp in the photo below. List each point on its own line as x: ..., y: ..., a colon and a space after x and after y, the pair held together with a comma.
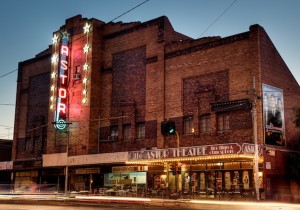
x: 67, y: 152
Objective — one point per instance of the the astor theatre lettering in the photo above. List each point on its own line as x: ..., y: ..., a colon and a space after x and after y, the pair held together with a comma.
x: 206, y: 150
x: 62, y: 84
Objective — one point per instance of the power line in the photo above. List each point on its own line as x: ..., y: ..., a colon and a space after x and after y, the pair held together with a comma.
x: 8, y: 73
x: 82, y: 36
x: 7, y: 105
x: 6, y: 126
x: 218, y: 18
x: 129, y: 11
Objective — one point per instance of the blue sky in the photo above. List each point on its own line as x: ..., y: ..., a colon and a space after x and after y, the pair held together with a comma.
x: 27, y: 27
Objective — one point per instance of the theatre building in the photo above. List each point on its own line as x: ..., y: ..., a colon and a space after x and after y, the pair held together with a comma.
x: 119, y: 106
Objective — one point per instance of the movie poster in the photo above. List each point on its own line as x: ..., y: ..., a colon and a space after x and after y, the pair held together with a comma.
x: 273, y: 115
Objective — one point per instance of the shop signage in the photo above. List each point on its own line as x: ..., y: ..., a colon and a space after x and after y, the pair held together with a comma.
x: 206, y: 150
x: 123, y: 169
x: 87, y: 171
x: 6, y: 165
x: 250, y: 149
x: 122, y: 181
x: 27, y: 164
x: 115, y: 157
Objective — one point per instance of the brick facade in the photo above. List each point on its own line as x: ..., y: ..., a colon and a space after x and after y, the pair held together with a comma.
x: 147, y: 73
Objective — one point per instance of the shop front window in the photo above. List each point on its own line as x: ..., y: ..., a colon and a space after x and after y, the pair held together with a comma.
x: 125, y: 181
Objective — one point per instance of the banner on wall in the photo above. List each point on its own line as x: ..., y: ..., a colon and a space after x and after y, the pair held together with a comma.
x: 273, y: 115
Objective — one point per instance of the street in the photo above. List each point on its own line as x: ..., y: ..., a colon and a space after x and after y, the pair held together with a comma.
x: 106, y: 203
x: 141, y: 207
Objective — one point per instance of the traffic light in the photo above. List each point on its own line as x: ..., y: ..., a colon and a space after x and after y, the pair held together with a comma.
x: 168, y: 128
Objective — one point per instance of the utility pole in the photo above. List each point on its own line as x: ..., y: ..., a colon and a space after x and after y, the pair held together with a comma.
x: 254, y: 119
x: 67, y: 151
x: 177, y: 163
x: 67, y: 165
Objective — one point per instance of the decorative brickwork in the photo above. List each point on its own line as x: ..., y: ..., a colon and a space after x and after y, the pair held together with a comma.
x: 200, y: 91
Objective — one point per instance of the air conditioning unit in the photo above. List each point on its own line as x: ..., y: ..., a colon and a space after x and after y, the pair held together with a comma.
x: 76, y: 76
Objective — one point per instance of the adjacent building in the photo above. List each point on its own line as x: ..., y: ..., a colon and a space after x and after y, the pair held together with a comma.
x: 5, y: 164
x: 141, y: 106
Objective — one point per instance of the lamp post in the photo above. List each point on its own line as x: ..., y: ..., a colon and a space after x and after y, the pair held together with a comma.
x: 67, y: 152
x: 177, y: 165
x: 67, y: 164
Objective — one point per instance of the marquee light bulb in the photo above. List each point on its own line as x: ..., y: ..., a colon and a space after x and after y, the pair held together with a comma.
x: 54, y: 39
x: 85, y: 67
x: 53, y: 75
x: 84, y: 80
x: 86, y: 28
x: 54, y: 58
x: 86, y: 48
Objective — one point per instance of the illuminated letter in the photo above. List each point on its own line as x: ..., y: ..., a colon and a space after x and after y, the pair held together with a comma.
x: 64, y: 50
x: 61, y: 107
x: 62, y: 93
x: 63, y: 77
x: 64, y: 65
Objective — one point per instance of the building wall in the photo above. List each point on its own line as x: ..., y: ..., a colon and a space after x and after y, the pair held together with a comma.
x: 147, y: 72
x: 31, y: 115
x: 276, y: 73
x: 133, y: 76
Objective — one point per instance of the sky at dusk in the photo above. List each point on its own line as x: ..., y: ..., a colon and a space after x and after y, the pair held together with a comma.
x: 27, y: 27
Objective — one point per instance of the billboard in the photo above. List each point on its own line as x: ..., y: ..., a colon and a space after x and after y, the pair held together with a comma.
x: 273, y: 115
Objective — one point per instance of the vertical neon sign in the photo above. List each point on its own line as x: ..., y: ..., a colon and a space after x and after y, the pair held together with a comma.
x: 60, y: 115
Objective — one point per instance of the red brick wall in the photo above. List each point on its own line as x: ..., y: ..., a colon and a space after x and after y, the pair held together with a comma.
x: 274, y: 72
x: 31, y: 112
x: 143, y: 71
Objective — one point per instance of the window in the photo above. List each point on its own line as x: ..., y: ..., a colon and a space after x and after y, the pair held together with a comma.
x: 223, y: 122
x: 188, y: 126
x: 113, y: 133
x: 205, y: 124
x: 127, y: 132
x: 77, y: 72
x: 140, y: 130
x: 77, y: 69
x: 28, y: 146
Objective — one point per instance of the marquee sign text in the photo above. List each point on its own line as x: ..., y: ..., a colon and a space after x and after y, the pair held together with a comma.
x: 205, y: 150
